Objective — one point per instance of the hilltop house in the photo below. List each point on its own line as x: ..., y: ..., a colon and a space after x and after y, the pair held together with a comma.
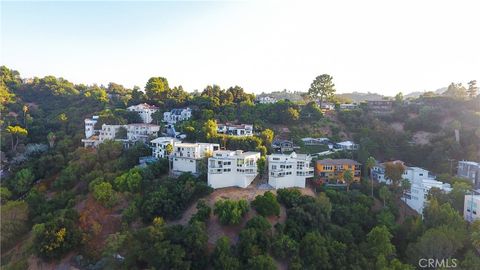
x: 232, y: 168
x: 186, y: 156
x: 145, y: 111
x: 177, y: 115
x: 235, y: 130
x: 346, y: 145
x: 380, y: 106
x: 281, y: 145
x: 315, y: 141
x: 159, y: 146
x: 331, y: 170
x: 348, y: 106
x: 291, y: 170
x: 266, y: 100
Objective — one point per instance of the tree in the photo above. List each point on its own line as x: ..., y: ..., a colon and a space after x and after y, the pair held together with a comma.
x: 261, y: 165
x: 5, y: 195
x: 399, y: 98
x: 223, y: 257
x: 405, y: 187
x: 25, y: 110
x: 203, y: 212
x: 472, y: 89
x: 104, y: 193
x: 169, y: 149
x: 16, y: 132
x: 384, y: 194
x: 456, y: 90
x: 56, y: 238
x: 322, y: 87
x: 23, y: 180
x: 476, y: 234
x: 394, y: 172
x: 378, y: 242
x: 314, y: 251
x: 267, y: 136
x: 348, y: 178
x: 266, y: 204
x: 121, y: 133
x: 130, y: 181
x: 284, y: 247
x: 157, y: 88
x: 210, y: 129
x: 230, y: 212
x: 369, y: 164
x: 51, y: 139
x: 14, y: 216
x: 63, y: 119
x: 261, y: 262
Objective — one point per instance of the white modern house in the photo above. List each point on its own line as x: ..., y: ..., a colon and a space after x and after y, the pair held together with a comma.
x: 417, y: 198
x: 469, y: 170
x: 177, y: 115
x: 186, y: 156
x: 232, y: 168
x: 144, y: 110
x: 266, y: 100
x: 291, y: 170
x: 347, y: 145
x: 135, y: 132
x: 471, y: 209
x: 159, y: 146
x: 141, y: 132
x: 412, y: 174
x: 235, y: 130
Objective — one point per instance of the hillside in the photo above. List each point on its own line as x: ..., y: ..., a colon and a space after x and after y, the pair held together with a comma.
x: 66, y: 206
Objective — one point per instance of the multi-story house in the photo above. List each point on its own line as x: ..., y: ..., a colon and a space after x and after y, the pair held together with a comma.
x: 235, y: 130
x: 177, y: 115
x: 232, y: 168
x: 471, y: 209
x: 145, y: 111
x: 186, y: 156
x: 91, y: 134
x: 413, y: 174
x: 332, y: 170
x: 141, y: 132
x: 159, y: 146
x: 291, y: 170
x: 380, y: 106
x: 315, y: 141
x: 469, y: 170
x: 417, y: 197
x: 134, y: 133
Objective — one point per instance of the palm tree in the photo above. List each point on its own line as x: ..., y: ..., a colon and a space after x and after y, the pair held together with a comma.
x: 25, y: 110
x: 348, y: 178
x: 404, y: 187
x: 369, y: 165
x: 51, y: 139
x: 384, y: 194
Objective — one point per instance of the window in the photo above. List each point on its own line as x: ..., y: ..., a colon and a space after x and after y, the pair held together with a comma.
x: 274, y: 167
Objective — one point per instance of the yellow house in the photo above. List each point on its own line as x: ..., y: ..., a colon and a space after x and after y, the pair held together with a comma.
x: 331, y: 170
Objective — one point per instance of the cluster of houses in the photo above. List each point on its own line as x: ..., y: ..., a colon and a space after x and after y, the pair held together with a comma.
x: 236, y: 168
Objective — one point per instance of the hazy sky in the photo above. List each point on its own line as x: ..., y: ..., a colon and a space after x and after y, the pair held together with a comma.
x: 377, y: 46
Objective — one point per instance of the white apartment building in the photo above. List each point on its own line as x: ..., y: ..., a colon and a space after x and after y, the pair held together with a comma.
x: 109, y: 132
x: 417, y: 197
x: 177, y: 115
x: 235, y: 130
x: 413, y: 174
x: 471, y: 209
x: 159, y: 146
x: 232, y: 168
x: 469, y: 170
x: 144, y: 110
x: 291, y: 170
x: 185, y: 156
